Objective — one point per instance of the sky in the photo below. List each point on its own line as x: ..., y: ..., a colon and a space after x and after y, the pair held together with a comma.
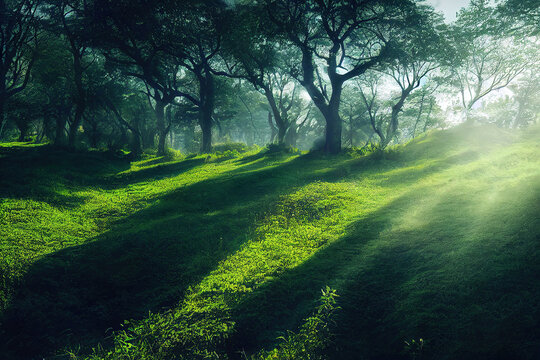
x: 448, y: 7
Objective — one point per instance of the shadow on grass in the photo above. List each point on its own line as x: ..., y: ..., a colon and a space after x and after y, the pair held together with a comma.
x: 145, y: 263
x: 458, y: 278
x: 156, y: 172
x: 38, y: 173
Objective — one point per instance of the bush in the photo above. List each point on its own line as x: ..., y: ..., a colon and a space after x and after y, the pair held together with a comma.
x: 172, y: 154
x: 230, y: 146
x: 281, y: 149
x: 313, y: 338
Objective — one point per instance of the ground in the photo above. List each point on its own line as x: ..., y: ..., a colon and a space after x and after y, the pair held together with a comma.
x: 219, y: 255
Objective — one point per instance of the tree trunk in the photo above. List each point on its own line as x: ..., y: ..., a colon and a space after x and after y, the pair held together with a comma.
x: 273, y: 132
x: 59, y: 139
x: 206, y: 127
x: 80, y: 101
x: 392, y: 129
x: 3, y: 119
x: 329, y: 109
x: 419, y: 115
x: 426, y: 124
x: 333, y: 121
x: 161, y: 129
x: 74, y: 128
x: 23, y: 129
x: 281, y: 124
x: 136, y: 143
x: 206, y: 110
x: 292, y: 135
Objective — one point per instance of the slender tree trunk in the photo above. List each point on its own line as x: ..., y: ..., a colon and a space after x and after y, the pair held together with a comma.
x: 94, y: 138
x: 419, y: 115
x: 281, y: 124
x: 41, y: 132
x: 272, y: 128
x: 59, y: 139
x: 351, y: 131
x: 80, y: 101
x: 23, y: 129
x: 519, y: 116
x: 3, y: 119
x: 136, y: 143
x: 426, y: 124
x: 394, y: 119
x: 292, y: 135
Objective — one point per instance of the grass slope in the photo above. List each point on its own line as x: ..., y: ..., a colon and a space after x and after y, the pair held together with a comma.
x: 437, y: 239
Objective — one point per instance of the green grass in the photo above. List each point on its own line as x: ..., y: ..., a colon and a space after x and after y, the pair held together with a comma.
x: 217, y: 255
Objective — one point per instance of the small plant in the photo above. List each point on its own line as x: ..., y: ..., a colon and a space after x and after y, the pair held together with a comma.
x: 313, y: 338
x: 414, y: 348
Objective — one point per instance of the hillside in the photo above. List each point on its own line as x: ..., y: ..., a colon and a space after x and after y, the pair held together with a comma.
x: 215, y: 255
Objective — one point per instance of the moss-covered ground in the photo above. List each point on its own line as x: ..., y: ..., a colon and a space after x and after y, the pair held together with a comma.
x: 216, y: 256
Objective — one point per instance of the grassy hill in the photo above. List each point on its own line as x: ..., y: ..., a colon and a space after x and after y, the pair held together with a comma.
x: 217, y: 256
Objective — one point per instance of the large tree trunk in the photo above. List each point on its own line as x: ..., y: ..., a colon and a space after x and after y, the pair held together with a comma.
x: 206, y: 110
x: 333, y: 132
x: 329, y: 109
x: 206, y: 127
x: 333, y: 121
x: 273, y: 132
x: 161, y: 128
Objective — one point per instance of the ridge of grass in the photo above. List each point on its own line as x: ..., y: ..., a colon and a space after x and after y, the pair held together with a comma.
x: 226, y: 252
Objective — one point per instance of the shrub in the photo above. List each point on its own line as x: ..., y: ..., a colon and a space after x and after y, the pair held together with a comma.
x: 230, y: 146
x: 281, y: 148
x: 313, y: 338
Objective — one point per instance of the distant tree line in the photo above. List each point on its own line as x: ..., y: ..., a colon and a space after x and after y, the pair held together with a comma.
x: 189, y: 73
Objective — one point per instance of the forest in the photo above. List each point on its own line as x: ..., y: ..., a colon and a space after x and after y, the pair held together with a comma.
x: 269, y: 179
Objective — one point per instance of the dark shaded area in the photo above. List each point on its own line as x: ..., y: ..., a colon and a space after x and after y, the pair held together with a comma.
x: 147, y: 261
x: 407, y: 289
x: 28, y: 171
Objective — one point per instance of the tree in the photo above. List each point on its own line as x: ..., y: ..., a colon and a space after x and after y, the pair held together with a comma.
x: 336, y: 42
x: 52, y: 77
x: 68, y: 20
x: 256, y: 57
x: 158, y: 42
x: 488, y: 62
x: 419, y: 54
x: 129, y: 34
x: 520, y: 16
x: 196, y: 29
x: 18, y: 42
